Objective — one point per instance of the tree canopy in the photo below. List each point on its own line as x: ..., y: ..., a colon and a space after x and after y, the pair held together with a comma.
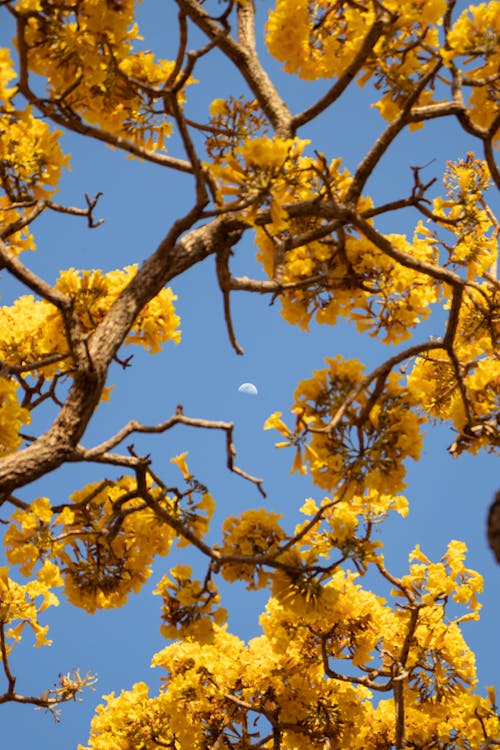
x: 337, y: 664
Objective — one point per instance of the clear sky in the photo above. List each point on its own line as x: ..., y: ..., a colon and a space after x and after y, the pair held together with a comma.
x: 448, y: 497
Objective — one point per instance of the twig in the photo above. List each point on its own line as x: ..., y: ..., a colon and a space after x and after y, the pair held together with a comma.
x: 224, y: 279
x: 23, y: 221
x: 11, y: 680
x: 368, y: 164
x: 347, y: 75
x: 31, y: 280
x: 75, y: 123
x: 380, y: 374
x: 99, y: 453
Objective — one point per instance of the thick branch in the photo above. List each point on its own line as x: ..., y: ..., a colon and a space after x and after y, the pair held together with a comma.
x: 246, y: 61
x: 172, y: 258
x: 488, y: 151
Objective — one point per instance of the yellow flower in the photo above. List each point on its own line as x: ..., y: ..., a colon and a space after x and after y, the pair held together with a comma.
x: 218, y: 107
x: 12, y: 416
x: 309, y: 508
x: 7, y: 74
x: 42, y: 509
x: 180, y: 462
x: 273, y: 422
x: 50, y: 575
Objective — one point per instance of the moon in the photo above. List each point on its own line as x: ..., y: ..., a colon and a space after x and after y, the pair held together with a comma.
x: 248, y: 388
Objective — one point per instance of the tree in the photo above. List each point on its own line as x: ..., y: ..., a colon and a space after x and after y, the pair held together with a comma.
x: 337, y: 665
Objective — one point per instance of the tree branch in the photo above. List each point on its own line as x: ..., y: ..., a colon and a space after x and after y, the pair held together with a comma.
x: 346, y: 77
x: 380, y: 374
x: 368, y: 164
x: 224, y: 279
x: 99, y: 453
x: 172, y: 257
x: 75, y: 123
x: 23, y: 274
x: 246, y: 61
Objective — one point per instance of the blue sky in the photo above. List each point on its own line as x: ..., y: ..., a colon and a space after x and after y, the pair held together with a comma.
x: 448, y: 497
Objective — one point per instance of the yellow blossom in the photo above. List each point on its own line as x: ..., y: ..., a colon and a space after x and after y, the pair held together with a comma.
x: 180, y: 462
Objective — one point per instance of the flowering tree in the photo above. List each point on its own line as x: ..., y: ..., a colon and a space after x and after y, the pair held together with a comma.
x: 336, y: 665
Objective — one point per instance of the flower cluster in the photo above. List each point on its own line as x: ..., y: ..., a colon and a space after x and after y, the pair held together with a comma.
x: 19, y: 607
x: 252, y: 534
x: 103, y: 80
x: 31, y: 330
x: 260, y: 173
x: 350, y: 441
x: 233, y: 122
x: 189, y: 606
x: 103, y: 543
x: 291, y: 677
x: 473, y: 42
x: 12, y: 416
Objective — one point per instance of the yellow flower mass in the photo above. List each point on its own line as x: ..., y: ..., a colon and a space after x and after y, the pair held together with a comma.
x: 348, y: 655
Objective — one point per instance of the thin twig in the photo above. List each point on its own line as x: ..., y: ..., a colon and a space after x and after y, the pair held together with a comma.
x: 380, y: 374
x: 23, y: 221
x: 347, y: 75
x: 224, y: 279
x: 23, y: 274
x: 100, y: 453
